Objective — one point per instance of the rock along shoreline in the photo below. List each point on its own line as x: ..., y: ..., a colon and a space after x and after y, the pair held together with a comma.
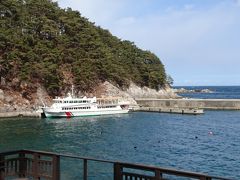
x: 34, y: 114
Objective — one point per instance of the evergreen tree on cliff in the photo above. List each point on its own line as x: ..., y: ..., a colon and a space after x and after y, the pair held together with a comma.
x: 42, y: 43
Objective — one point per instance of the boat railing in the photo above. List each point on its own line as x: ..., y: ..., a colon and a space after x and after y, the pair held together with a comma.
x: 30, y: 164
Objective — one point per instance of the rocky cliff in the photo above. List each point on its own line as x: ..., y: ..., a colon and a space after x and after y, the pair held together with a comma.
x: 23, y: 100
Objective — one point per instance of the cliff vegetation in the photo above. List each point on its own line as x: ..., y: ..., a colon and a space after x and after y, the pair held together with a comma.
x: 41, y: 43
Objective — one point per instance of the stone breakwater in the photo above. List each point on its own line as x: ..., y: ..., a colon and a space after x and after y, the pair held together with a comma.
x: 171, y: 110
x: 215, y: 104
x: 20, y: 114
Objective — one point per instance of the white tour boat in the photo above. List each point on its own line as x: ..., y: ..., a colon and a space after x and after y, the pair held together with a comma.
x: 71, y: 107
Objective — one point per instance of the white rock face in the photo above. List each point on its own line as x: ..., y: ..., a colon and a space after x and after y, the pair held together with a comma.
x: 145, y: 92
x: 42, y: 97
x: 135, y: 91
x: 108, y: 89
x: 1, y: 94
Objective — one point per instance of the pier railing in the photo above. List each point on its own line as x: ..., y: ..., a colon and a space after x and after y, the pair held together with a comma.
x: 29, y: 164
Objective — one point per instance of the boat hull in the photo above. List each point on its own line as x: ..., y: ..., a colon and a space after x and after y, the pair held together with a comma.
x: 69, y: 114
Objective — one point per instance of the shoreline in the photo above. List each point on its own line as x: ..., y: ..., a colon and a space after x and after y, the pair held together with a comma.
x: 167, y: 105
x: 21, y: 114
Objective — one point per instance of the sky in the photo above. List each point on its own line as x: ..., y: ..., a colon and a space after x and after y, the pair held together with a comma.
x: 198, y: 41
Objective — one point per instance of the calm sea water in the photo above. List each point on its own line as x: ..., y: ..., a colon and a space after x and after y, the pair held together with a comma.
x: 168, y: 140
x: 219, y: 92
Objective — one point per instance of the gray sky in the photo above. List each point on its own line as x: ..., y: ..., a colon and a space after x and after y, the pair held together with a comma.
x: 198, y: 41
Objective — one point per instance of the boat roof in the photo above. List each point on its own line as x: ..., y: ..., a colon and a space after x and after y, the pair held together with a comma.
x: 70, y: 97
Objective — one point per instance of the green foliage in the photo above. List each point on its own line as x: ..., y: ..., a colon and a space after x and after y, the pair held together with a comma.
x: 38, y: 39
x: 169, y: 80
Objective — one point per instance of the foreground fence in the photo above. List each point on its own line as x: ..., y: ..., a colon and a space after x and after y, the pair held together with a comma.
x: 39, y: 165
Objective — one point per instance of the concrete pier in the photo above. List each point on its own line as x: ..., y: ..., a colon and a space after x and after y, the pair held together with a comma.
x: 215, y: 104
x: 20, y: 114
x: 171, y: 110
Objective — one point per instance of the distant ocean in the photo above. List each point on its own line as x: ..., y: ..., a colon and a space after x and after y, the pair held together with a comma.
x: 219, y: 92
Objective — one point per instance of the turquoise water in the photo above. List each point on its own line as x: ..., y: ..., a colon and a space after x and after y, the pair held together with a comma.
x: 168, y: 140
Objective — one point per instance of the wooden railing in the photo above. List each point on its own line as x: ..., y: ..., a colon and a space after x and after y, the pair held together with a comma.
x: 44, y: 165
x: 32, y: 164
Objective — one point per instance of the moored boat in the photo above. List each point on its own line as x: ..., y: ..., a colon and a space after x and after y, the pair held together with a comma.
x: 84, y: 106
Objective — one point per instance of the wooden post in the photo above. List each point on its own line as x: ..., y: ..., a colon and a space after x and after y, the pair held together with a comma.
x: 22, y: 165
x: 117, y: 171
x: 2, y: 168
x: 56, y: 167
x: 35, y: 165
x: 85, y: 169
x: 158, y: 175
